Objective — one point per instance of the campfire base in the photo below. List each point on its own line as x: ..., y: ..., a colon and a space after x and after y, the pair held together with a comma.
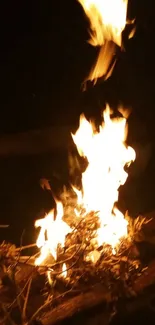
x: 24, y: 298
x: 97, y: 305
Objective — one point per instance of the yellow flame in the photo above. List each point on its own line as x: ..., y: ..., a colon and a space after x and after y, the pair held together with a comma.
x: 52, y: 233
x: 79, y: 195
x: 107, y: 155
x: 50, y: 280
x: 107, y: 21
x: 64, y: 271
x: 93, y: 256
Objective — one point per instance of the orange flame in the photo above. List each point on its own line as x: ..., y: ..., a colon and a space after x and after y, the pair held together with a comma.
x: 107, y: 21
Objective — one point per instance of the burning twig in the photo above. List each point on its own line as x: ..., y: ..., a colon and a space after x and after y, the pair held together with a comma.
x: 19, y: 249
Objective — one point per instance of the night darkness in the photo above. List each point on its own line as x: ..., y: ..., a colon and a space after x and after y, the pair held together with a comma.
x: 44, y: 58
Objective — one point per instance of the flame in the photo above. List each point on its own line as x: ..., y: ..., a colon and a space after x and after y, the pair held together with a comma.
x: 107, y: 155
x: 64, y: 270
x: 49, y: 278
x: 107, y: 21
x: 52, y: 233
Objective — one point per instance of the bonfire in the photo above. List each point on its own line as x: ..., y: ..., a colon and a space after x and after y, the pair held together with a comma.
x: 87, y: 253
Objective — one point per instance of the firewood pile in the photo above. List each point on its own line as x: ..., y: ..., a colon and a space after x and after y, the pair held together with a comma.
x: 48, y: 294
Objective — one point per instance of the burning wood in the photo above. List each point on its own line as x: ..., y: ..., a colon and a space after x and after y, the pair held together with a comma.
x: 73, y: 284
x: 87, y: 240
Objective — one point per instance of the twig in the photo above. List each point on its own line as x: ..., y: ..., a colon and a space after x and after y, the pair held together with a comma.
x: 7, y: 316
x: 16, y: 287
x: 20, y: 293
x: 64, y: 261
x: 49, y: 301
x: 47, y: 266
x: 26, y: 299
x: 70, y: 267
x: 26, y: 259
x: 25, y: 247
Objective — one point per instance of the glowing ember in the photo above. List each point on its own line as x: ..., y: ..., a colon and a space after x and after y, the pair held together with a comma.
x: 52, y: 233
x: 107, y: 155
x: 107, y: 21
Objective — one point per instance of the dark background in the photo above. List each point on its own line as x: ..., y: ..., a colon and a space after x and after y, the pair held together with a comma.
x: 44, y: 57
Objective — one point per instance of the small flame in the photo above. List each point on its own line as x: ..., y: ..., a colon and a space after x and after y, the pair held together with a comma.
x: 52, y: 233
x: 107, y: 21
x: 79, y: 195
x: 107, y: 155
x: 50, y: 280
x: 64, y: 271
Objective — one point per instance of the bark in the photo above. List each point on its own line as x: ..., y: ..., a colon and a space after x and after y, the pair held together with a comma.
x: 75, y: 305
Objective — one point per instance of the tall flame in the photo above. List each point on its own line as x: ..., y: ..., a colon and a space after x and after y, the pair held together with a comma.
x: 107, y: 21
x: 107, y: 155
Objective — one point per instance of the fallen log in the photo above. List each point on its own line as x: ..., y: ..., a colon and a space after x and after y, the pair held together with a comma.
x: 68, y: 305
x: 99, y: 296
x: 85, y: 301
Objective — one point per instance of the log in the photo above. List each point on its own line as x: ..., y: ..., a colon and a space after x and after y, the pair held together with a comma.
x: 98, y: 296
x: 82, y: 302
x: 8, y: 288
x: 146, y: 279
